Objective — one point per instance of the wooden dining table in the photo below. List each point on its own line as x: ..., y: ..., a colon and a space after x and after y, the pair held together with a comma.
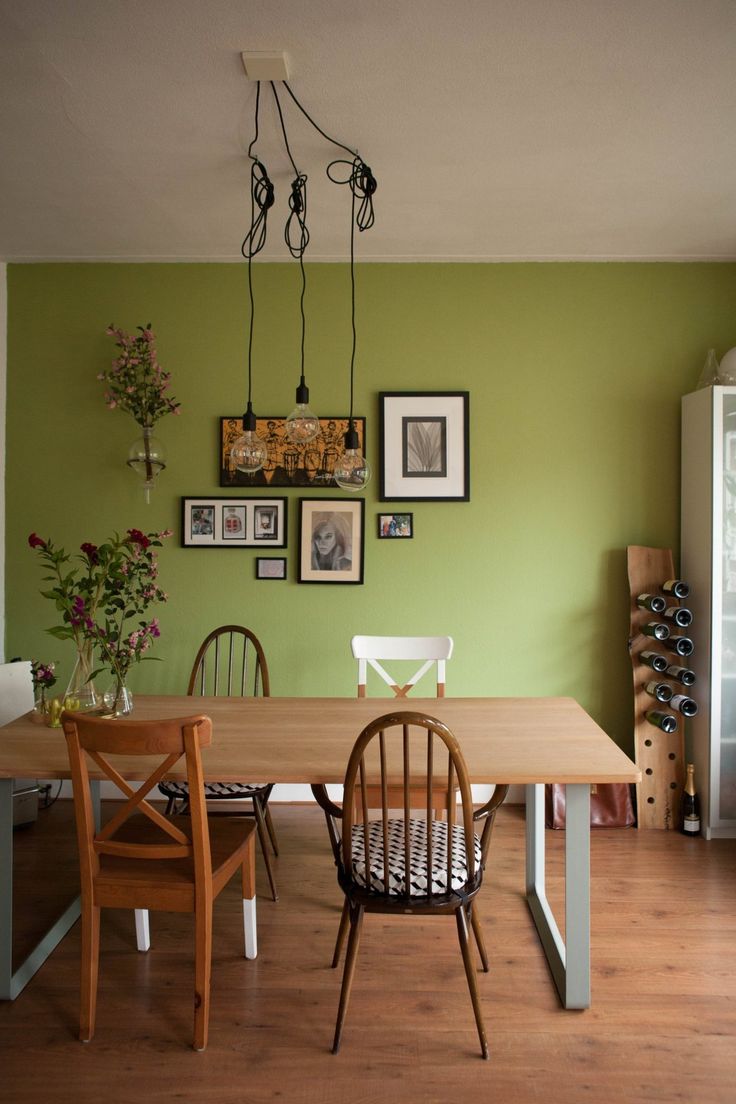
x: 527, y: 741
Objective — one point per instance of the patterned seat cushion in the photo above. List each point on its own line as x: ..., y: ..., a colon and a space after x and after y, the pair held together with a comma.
x: 418, y: 884
x: 214, y: 789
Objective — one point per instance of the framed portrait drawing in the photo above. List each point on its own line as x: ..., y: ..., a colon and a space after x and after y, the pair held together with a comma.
x: 270, y: 567
x: 395, y: 526
x: 287, y: 465
x: 233, y: 522
x: 331, y: 534
x: 425, y: 451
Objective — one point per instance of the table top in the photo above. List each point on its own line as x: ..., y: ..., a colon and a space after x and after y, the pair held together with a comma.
x: 504, y: 740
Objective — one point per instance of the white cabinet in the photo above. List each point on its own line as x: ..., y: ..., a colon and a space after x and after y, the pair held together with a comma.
x: 708, y: 563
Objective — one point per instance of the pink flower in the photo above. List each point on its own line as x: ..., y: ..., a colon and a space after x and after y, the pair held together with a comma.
x: 35, y: 541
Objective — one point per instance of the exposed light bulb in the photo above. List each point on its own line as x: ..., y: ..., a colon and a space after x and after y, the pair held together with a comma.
x: 352, y: 470
x: 249, y: 452
x: 302, y: 425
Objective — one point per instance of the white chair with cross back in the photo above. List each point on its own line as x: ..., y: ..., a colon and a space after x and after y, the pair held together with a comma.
x: 430, y: 651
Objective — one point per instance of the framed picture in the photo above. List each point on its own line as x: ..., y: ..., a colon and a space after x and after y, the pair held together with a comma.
x: 233, y: 522
x: 270, y: 567
x: 288, y: 465
x: 425, y: 450
x: 393, y: 526
x: 331, y: 540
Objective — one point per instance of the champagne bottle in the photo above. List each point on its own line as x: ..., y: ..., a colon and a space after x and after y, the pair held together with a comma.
x: 680, y: 645
x: 683, y: 704
x: 653, y: 602
x: 683, y: 675
x: 679, y: 615
x: 676, y: 588
x: 654, y: 660
x: 656, y: 629
x: 662, y: 691
x: 690, y: 805
x: 662, y: 720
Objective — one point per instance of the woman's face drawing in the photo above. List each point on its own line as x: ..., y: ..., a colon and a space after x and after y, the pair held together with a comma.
x: 325, y: 539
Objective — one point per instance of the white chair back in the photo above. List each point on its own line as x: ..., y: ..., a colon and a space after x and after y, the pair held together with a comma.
x: 431, y: 651
x: 16, y: 690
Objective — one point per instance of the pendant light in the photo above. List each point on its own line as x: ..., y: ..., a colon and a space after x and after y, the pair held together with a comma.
x: 302, y: 424
x: 249, y: 452
x: 352, y: 471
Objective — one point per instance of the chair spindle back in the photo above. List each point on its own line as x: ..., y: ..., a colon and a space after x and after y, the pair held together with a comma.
x: 231, y: 663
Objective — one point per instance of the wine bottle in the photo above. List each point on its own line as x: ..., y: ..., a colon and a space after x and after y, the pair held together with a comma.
x: 653, y: 602
x: 656, y: 629
x: 665, y: 721
x: 680, y: 645
x: 681, y: 616
x: 654, y: 660
x: 683, y: 675
x: 676, y: 588
x: 690, y: 805
x: 662, y: 691
x: 683, y: 704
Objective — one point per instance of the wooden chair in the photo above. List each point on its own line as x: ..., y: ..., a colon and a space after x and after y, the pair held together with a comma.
x: 131, y: 864
x: 231, y: 662
x: 430, y: 651
x: 405, y: 865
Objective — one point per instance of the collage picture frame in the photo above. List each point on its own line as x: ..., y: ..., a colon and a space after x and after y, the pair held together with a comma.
x: 218, y: 522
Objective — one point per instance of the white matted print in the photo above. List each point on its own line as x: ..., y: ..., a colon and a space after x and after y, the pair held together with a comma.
x: 331, y: 540
x: 233, y: 522
x: 424, y: 445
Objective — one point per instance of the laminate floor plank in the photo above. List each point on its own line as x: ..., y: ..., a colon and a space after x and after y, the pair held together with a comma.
x: 661, y: 1028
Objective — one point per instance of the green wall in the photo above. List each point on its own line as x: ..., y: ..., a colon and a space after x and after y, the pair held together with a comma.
x: 575, y: 373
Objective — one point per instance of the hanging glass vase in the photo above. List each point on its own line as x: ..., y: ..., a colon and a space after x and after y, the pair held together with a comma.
x: 81, y: 694
x: 118, y: 699
x: 147, y: 458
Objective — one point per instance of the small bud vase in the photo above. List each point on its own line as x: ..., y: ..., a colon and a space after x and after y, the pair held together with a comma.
x: 118, y: 700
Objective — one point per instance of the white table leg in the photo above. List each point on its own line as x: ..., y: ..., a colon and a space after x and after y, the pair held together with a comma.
x: 142, y: 930
x: 249, y: 925
x: 570, y: 961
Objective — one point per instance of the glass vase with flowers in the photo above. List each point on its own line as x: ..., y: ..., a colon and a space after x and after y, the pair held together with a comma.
x: 137, y: 384
x: 43, y: 677
x: 110, y: 583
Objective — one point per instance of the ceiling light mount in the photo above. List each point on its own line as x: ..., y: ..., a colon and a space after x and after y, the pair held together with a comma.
x: 265, y: 65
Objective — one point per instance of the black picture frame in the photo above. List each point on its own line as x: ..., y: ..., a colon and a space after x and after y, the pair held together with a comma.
x: 341, y: 523
x: 216, y: 521
x: 306, y: 466
x: 395, y: 526
x: 424, y: 446
x: 272, y: 568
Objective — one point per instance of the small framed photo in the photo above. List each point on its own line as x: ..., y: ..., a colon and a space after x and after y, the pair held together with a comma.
x: 392, y: 526
x: 425, y: 451
x: 233, y: 522
x: 331, y: 540
x: 270, y: 567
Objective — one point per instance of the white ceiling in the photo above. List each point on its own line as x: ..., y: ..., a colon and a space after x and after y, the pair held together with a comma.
x: 497, y: 129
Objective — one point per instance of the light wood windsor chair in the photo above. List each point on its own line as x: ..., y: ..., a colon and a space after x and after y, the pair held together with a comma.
x: 231, y: 662
x: 402, y: 864
x: 153, y: 862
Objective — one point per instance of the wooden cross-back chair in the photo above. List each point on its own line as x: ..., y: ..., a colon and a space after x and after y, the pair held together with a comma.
x: 405, y: 864
x: 231, y: 662
x: 143, y: 860
x: 429, y: 651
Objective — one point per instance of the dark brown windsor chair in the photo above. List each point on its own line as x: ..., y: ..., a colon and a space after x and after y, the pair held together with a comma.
x: 404, y: 864
x: 141, y: 859
x: 231, y: 662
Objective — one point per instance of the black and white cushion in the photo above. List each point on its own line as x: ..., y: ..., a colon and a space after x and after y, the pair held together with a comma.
x: 418, y: 881
x: 214, y: 789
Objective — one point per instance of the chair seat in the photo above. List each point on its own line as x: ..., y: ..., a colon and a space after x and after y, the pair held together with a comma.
x: 228, y: 839
x: 215, y: 789
x: 418, y: 882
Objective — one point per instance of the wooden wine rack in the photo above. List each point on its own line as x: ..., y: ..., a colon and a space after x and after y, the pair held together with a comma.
x: 660, y: 755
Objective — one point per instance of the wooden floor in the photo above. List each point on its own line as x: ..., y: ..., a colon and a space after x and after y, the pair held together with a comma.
x: 662, y: 1026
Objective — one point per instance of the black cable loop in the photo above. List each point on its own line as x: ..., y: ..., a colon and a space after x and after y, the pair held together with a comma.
x: 296, y: 233
x: 363, y: 186
x: 262, y: 196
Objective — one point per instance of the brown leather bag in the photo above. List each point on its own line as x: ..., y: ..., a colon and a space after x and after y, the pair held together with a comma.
x: 610, y: 805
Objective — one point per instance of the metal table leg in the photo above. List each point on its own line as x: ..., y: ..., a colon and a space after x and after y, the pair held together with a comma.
x: 569, y: 961
x: 11, y: 983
